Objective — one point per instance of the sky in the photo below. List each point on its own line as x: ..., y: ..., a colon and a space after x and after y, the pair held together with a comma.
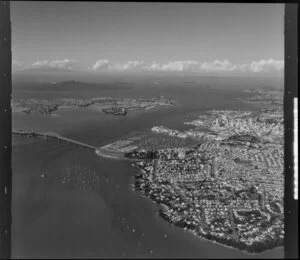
x: 132, y: 36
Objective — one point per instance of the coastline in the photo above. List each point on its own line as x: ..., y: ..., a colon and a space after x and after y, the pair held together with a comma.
x: 231, y: 247
x: 114, y: 155
x: 105, y: 154
x: 253, y: 248
x: 120, y: 156
x: 231, y: 235
x: 108, y: 105
x: 198, y: 235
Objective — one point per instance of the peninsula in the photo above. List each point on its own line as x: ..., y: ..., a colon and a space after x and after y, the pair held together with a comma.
x: 229, y: 188
x: 225, y: 184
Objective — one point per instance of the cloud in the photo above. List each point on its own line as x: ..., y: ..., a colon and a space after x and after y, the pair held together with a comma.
x: 141, y: 65
x: 101, y: 64
x: 65, y: 64
x: 186, y: 65
x: 17, y: 65
x: 262, y: 66
x: 128, y: 65
x: 218, y: 65
x: 154, y: 66
x: 222, y: 66
x: 266, y: 65
x: 193, y: 66
x: 133, y: 64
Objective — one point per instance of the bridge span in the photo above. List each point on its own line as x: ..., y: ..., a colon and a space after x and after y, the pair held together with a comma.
x: 54, y: 136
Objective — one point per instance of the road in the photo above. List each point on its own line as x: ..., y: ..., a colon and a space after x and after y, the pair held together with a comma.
x: 56, y: 136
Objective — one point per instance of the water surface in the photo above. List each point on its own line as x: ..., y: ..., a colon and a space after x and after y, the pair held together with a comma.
x: 95, y: 213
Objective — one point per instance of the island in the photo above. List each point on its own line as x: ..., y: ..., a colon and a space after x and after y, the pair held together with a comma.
x: 272, y: 98
x: 116, y: 111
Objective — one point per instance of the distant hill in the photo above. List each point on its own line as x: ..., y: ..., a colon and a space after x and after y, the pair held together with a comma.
x: 68, y: 82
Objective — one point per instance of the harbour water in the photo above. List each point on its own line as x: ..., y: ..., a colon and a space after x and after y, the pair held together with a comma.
x: 84, y: 206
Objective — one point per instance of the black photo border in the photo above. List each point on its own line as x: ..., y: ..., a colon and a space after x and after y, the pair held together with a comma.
x: 291, y: 25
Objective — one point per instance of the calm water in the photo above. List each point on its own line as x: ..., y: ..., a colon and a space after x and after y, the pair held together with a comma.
x: 96, y: 214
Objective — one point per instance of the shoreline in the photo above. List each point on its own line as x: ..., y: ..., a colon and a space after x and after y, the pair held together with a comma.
x: 108, y: 105
x: 120, y: 156
x: 106, y: 154
x: 198, y: 235
x: 101, y: 151
x: 114, y: 155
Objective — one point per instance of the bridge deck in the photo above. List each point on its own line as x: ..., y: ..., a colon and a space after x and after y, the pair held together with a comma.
x: 57, y: 136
